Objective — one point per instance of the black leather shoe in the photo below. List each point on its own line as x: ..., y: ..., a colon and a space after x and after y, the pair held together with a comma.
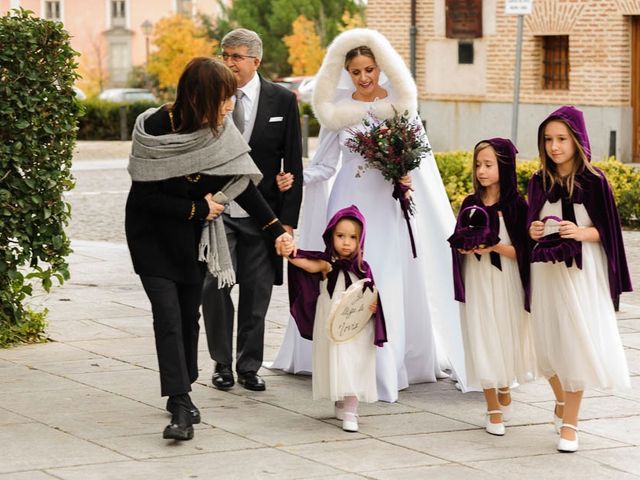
x: 192, y: 409
x: 223, y: 377
x: 251, y: 381
x: 181, y: 427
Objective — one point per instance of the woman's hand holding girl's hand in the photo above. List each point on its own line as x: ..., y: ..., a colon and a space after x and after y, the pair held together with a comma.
x: 215, y: 209
x: 536, y: 230
x: 285, y: 246
x: 284, y: 181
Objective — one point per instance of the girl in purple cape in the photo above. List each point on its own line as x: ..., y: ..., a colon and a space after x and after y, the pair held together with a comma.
x: 491, y: 280
x: 572, y: 301
x: 342, y: 372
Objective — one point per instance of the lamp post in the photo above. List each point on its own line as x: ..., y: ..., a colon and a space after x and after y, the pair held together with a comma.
x: 147, y: 28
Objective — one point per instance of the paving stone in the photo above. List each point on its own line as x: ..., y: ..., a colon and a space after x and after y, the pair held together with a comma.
x: 437, y: 472
x: 552, y: 467
x: 476, y: 445
x: 626, y: 459
x: 28, y: 475
x: 31, y: 446
x: 631, y: 340
x: 206, y: 439
x: 363, y: 455
x: 624, y: 429
x: 274, y: 426
x: 241, y: 465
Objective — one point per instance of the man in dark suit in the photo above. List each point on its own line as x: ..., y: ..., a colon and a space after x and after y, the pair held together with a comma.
x: 267, y: 115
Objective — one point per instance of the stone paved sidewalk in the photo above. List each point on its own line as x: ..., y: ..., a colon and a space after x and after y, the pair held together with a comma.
x: 86, y: 405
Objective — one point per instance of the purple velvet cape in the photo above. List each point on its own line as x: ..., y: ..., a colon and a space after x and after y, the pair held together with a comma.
x: 594, y: 192
x: 304, y: 287
x: 514, y: 212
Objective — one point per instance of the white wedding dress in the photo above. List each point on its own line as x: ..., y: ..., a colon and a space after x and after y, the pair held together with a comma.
x: 422, y: 318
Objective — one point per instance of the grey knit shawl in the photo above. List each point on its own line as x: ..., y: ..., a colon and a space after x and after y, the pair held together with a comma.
x: 155, y: 158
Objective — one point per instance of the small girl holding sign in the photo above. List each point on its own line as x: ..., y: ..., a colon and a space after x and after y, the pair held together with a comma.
x: 491, y: 280
x: 344, y: 339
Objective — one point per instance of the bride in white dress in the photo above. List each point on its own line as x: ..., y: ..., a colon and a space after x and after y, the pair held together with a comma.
x: 362, y: 74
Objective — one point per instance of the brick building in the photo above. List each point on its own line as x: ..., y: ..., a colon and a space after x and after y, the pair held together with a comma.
x: 109, y: 34
x: 579, y: 52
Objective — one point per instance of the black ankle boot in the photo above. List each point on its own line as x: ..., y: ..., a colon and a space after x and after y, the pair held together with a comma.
x: 181, y: 426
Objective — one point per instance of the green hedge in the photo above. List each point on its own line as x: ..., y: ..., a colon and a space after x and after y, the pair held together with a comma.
x: 39, y: 116
x: 314, y: 126
x: 101, y: 120
x: 455, y: 168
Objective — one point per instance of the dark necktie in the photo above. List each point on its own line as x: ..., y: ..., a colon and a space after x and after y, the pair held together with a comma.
x: 238, y: 111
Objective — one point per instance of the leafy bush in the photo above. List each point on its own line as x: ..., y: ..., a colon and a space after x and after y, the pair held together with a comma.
x: 101, y: 120
x: 314, y: 125
x: 39, y: 114
x: 455, y: 169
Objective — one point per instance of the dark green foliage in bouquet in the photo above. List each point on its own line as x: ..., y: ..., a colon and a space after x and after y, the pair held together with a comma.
x: 394, y: 146
x: 39, y: 114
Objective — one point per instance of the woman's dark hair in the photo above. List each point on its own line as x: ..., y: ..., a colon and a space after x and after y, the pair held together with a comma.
x: 355, y: 52
x: 203, y: 87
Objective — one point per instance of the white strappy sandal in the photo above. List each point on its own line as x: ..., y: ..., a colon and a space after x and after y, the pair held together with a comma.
x: 494, y: 428
x: 568, y: 446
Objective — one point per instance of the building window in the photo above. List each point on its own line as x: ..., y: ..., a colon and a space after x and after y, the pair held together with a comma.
x: 118, y: 9
x: 465, y: 52
x: 555, y: 62
x: 52, y: 10
x: 185, y: 7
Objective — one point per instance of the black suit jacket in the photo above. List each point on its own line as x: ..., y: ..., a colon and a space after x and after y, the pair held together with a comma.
x: 276, y: 146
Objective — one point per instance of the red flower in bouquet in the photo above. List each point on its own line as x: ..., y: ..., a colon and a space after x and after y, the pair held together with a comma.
x: 394, y: 146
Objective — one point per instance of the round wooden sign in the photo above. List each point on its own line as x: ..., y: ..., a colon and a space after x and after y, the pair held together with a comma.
x: 350, y: 313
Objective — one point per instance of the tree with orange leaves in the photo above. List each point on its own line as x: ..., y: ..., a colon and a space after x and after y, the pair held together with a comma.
x: 305, y: 50
x: 177, y: 40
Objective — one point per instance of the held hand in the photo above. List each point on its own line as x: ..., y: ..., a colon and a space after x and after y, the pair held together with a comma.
x: 571, y: 230
x: 465, y: 252
x: 536, y: 230
x: 482, y: 251
x: 326, y: 268
x: 406, y: 181
x: 373, y: 307
x: 284, y: 181
x: 215, y: 209
x: 288, y: 229
x: 284, y: 245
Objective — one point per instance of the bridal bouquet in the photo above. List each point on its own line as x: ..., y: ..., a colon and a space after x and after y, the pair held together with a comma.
x: 394, y: 146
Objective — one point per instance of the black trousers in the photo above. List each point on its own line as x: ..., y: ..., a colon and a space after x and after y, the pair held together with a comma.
x: 255, y: 275
x: 175, y: 324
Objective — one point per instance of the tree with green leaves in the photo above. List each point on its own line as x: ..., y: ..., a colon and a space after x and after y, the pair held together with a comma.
x: 273, y: 20
x: 39, y: 114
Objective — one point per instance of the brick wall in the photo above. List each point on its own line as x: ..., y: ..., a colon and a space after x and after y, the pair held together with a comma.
x: 599, y: 48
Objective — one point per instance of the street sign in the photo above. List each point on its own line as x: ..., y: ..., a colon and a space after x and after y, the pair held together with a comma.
x: 518, y: 7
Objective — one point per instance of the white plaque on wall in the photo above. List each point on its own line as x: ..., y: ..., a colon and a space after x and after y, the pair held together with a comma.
x: 518, y: 7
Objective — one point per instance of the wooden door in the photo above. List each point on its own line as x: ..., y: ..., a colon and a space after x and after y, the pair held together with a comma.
x: 635, y: 84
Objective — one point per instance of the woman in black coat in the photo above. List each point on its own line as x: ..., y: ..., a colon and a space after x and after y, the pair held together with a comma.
x: 187, y: 161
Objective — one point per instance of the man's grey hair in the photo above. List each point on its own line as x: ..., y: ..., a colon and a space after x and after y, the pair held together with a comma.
x: 241, y: 37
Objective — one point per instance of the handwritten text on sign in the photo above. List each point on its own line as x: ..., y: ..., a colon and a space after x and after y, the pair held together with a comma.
x: 352, y: 312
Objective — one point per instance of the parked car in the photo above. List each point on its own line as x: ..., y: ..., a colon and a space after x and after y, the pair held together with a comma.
x: 292, y: 83
x: 80, y: 95
x: 305, y: 90
x: 127, y: 95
